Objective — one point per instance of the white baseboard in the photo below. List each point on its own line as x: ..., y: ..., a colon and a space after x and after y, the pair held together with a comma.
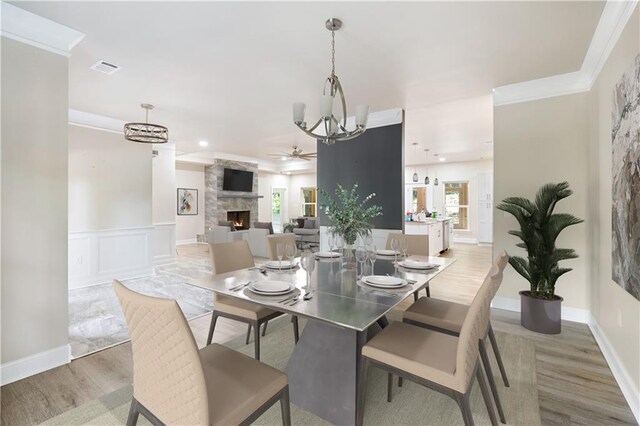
x: 464, y: 240
x: 164, y: 243
x: 620, y: 373
x: 189, y: 241
x: 568, y: 313
x: 33, y: 364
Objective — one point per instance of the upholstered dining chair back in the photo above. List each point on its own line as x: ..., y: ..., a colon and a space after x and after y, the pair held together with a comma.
x: 168, y: 379
x: 418, y: 244
x: 475, y: 326
x: 276, y: 239
x: 227, y: 257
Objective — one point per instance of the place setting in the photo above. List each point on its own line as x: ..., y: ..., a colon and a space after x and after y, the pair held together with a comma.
x: 384, y: 284
x: 273, y: 291
x: 417, y: 265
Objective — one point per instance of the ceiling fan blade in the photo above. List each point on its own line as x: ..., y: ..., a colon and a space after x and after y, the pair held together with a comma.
x: 279, y: 155
x: 310, y: 155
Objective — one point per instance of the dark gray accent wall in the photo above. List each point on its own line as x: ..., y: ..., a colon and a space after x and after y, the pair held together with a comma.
x: 375, y: 161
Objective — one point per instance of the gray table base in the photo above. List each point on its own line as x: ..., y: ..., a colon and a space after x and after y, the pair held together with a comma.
x: 326, y: 372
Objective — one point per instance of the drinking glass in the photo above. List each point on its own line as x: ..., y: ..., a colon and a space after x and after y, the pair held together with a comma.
x: 395, y: 245
x: 405, y: 246
x: 280, y: 254
x: 361, y: 257
x: 373, y: 254
x: 290, y: 252
x: 308, y: 263
x: 332, y: 242
x: 368, y: 240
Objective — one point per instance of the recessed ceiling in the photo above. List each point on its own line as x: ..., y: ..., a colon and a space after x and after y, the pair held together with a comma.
x: 228, y: 72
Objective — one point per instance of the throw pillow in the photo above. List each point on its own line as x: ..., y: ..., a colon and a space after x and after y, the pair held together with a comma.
x: 310, y: 224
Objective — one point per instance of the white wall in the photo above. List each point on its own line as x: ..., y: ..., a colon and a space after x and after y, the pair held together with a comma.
x: 163, y: 172
x: 266, y: 183
x: 34, y: 310
x: 307, y: 180
x: 468, y: 171
x: 109, y: 181
x: 189, y: 176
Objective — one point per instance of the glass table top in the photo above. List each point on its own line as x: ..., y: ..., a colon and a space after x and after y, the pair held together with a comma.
x: 339, y: 297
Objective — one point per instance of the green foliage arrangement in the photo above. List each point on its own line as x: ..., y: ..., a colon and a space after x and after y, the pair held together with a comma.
x: 348, y: 215
x: 539, y: 229
x: 288, y: 227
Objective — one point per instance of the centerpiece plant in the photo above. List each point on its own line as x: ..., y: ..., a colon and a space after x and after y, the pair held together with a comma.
x: 539, y: 229
x: 349, y: 216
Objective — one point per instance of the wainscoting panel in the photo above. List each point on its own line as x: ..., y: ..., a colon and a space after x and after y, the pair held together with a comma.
x: 97, y: 257
x: 164, y: 243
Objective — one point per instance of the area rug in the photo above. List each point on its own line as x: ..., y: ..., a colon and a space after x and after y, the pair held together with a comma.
x: 95, y: 318
x: 412, y: 404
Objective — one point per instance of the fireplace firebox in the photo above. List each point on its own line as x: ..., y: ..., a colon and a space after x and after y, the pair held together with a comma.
x: 241, y: 219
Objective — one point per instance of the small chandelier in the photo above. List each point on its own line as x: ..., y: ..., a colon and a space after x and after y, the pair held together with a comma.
x: 146, y: 132
x: 414, y: 178
x: 335, y: 127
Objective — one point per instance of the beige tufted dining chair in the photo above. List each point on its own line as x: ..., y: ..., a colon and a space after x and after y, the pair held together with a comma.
x: 229, y: 257
x: 418, y: 245
x: 445, y: 363
x: 275, y: 239
x: 175, y: 383
x: 448, y: 317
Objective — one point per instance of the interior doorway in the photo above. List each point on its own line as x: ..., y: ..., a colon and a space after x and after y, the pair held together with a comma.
x: 278, y: 208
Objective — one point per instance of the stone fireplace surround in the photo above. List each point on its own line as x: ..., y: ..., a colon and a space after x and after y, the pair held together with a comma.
x: 218, y: 202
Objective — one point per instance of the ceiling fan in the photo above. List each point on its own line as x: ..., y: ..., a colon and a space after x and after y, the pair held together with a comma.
x: 295, y: 154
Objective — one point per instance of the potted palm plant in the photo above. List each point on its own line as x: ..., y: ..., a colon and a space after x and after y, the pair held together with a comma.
x: 539, y: 229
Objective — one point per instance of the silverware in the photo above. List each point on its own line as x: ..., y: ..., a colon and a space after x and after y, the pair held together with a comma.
x: 407, y: 280
x: 384, y: 293
x: 286, y: 299
x: 241, y: 286
x: 293, y: 301
x: 308, y: 295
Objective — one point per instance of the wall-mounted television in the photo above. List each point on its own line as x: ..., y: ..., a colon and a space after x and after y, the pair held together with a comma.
x: 237, y: 180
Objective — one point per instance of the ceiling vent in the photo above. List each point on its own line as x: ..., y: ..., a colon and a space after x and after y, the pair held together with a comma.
x: 105, y: 67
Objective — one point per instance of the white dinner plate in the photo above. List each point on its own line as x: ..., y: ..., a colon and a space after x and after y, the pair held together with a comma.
x: 384, y: 281
x: 268, y: 287
x: 328, y: 254
x: 275, y: 264
x: 416, y: 264
x: 386, y: 252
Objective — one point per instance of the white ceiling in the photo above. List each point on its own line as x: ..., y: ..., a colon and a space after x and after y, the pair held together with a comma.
x: 228, y: 72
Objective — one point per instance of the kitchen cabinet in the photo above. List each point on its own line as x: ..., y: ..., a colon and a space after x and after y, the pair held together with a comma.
x: 485, y: 208
x: 435, y: 238
x: 446, y: 234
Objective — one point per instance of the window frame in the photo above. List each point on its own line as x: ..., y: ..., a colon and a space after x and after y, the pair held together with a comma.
x: 304, y: 204
x: 466, y: 207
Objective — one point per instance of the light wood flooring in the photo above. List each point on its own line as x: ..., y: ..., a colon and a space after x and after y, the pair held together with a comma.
x: 575, y: 385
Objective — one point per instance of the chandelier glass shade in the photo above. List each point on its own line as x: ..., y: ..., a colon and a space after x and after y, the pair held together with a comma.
x: 426, y: 170
x: 146, y: 132
x: 334, y: 125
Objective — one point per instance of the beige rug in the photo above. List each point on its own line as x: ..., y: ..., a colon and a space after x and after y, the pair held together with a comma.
x: 412, y: 404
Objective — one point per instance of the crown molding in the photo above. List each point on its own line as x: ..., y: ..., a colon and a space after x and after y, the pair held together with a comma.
x: 614, y: 18
x: 95, y: 121
x: 34, y: 30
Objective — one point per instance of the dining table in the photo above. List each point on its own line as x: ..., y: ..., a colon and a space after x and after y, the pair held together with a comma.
x: 326, y: 371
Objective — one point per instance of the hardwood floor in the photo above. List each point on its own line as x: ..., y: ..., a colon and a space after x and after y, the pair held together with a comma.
x: 575, y: 385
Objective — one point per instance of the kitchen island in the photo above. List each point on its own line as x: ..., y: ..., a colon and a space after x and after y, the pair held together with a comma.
x: 438, y: 230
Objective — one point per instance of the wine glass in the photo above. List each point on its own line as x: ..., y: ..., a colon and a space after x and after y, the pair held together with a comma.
x: 290, y: 252
x: 373, y: 254
x: 308, y: 263
x: 395, y: 245
x: 361, y: 257
x: 405, y: 246
x: 280, y: 254
x: 368, y: 240
x: 332, y: 242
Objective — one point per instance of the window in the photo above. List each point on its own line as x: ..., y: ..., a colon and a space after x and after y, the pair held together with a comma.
x: 419, y: 199
x: 308, y: 197
x: 456, y: 198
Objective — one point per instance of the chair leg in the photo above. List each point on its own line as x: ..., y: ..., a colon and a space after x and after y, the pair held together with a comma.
x: 264, y: 329
x: 465, y: 409
x: 285, y: 407
x: 428, y: 291
x: 132, y: 420
x: 389, y: 386
x: 486, y: 396
x: 296, y: 332
x: 256, y: 340
x: 246, y: 341
x: 492, y: 382
x: 496, y: 351
x: 214, y: 318
x: 415, y: 296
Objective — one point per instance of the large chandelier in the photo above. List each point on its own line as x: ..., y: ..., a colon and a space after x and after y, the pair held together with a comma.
x: 335, y: 127
x: 146, y: 132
